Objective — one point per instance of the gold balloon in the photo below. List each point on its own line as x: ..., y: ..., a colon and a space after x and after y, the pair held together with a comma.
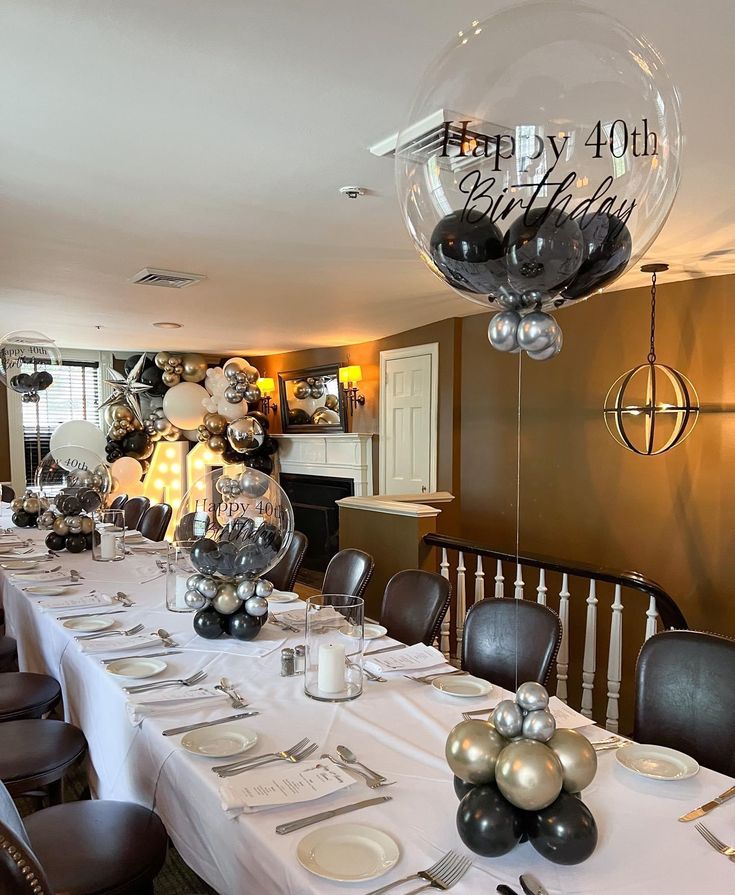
x: 170, y: 379
x: 578, y: 758
x: 60, y: 526
x: 87, y: 525
x: 331, y: 402
x: 529, y: 775
x: 216, y: 443
x: 122, y: 412
x: 195, y: 368
x: 472, y: 750
x: 215, y: 423
x: 161, y: 359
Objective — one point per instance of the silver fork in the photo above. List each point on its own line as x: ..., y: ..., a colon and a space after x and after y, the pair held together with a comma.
x: 123, y: 598
x: 447, y: 871
x: 136, y: 629
x: 184, y: 682
x: 284, y: 754
x: 279, y: 623
x: 717, y: 844
x: 428, y: 678
x: 225, y: 686
x: 291, y: 755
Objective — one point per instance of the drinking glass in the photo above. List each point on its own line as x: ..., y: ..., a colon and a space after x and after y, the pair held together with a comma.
x: 334, y: 641
x: 108, y: 543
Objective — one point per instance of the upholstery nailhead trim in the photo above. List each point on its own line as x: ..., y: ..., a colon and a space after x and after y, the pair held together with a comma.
x: 35, y: 886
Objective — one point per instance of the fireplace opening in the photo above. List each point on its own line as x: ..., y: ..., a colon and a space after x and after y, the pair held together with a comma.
x: 316, y: 514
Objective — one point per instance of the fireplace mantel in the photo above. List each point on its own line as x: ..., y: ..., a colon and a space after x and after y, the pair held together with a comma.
x: 347, y: 455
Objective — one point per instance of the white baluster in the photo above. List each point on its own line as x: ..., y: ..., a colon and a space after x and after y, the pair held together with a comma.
x: 479, y: 581
x: 589, y: 663
x: 615, y: 662
x: 518, y: 593
x: 541, y: 589
x: 651, y: 618
x: 461, y: 602
x: 444, y: 569
x: 499, y: 581
x: 562, y: 660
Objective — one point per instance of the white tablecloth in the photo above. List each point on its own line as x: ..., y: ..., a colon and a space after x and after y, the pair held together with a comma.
x: 399, y: 728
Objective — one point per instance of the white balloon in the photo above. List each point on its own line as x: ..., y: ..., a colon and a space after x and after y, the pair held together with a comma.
x: 127, y: 471
x: 183, y: 404
x: 232, y: 412
x: 72, y: 456
x: 191, y: 434
x: 80, y: 433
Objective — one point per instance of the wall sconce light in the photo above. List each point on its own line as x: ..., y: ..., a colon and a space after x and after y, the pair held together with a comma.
x: 267, y: 387
x: 349, y: 377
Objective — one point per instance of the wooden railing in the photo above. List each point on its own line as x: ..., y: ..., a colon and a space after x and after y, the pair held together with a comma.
x: 659, y: 607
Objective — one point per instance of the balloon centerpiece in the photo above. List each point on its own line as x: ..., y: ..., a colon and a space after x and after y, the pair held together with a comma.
x: 34, y: 352
x: 518, y: 777
x: 236, y: 528
x: 27, y: 509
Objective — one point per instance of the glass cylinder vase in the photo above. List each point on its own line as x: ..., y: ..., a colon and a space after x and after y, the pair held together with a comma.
x: 179, y: 568
x: 108, y: 542
x: 334, y: 641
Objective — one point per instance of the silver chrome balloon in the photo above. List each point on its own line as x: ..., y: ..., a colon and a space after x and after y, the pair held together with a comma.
x: 529, y: 775
x: 539, y: 725
x: 193, y: 581
x: 245, y: 589
x: 263, y: 587
x: 577, y: 756
x: 508, y: 719
x: 537, y: 331
x: 532, y: 696
x: 551, y: 351
x: 207, y: 587
x: 194, y: 600
x: 256, y: 606
x: 472, y: 750
x: 502, y: 331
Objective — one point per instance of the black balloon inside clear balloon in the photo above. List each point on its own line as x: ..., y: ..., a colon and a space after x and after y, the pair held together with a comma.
x: 243, y: 626
x: 251, y: 561
x: 544, y: 249
x: 565, y: 832
x: 205, y: 555
x: 227, y: 558
x: 469, y: 252
x: 42, y: 379
x: 607, y: 250
x: 209, y: 623
x: 487, y: 823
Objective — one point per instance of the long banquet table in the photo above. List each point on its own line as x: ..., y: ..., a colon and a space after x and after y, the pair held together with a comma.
x: 398, y: 728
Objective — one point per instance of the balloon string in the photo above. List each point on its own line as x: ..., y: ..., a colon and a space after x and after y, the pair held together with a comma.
x: 518, y: 505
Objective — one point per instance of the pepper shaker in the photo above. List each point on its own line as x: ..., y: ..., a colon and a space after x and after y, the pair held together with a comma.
x: 287, y: 662
x: 299, y: 659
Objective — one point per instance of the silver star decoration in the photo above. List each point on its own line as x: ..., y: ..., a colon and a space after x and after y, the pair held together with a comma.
x: 127, y: 388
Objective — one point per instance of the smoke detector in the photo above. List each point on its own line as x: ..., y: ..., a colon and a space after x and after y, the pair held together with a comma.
x: 352, y: 192
x: 171, y: 279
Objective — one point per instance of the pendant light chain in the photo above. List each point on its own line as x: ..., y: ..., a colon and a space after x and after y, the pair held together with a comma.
x: 652, y: 352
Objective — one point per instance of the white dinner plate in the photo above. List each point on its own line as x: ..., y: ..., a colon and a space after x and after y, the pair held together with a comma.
x: 88, y: 624
x: 220, y: 741
x: 461, y: 685
x: 17, y: 564
x: 657, y: 762
x: 347, y: 853
x: 40, y: 577
x: 26, y: 557
x: 282, y: 596
x: 369, y: 631
x: 136, y: 668
x: 50, y: 590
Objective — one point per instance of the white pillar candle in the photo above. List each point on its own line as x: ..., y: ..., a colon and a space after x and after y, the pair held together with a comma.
x: 107, y: 545
x: 331, y: 676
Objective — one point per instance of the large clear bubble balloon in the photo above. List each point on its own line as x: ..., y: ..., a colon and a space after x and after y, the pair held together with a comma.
x: 540, y: 157
x: 27, y: 359
x: 83, y: 488
x: 237, y: 522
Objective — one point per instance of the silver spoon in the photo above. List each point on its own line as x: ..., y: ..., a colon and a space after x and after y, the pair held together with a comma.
x: 348, y: 756
x: 166, y: 637
x: 227, y: 687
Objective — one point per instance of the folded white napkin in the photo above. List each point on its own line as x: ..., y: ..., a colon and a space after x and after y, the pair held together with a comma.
x: 275, y: 785
x: 566, y: 716
x: 418, y: 657
x: 118, y: 643
x: 36, y: 576
x: 75, y: 601
x: 143, y: 705
x: 256, y: 649
x: 20, y: 556
x: 148, y: 546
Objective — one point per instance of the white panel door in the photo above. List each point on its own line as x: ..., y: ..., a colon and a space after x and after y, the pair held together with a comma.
x: 408, y: 420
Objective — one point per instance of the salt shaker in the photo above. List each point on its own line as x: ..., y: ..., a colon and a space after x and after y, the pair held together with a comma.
x: 287, y: 662
x: 299, y: 659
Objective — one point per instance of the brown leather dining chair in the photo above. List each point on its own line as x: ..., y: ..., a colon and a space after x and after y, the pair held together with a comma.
x: 134, y: 509
x: 154, y: 522
x: 283, y: 575
x: 80, y: 848
x: 119, y: 502
x: 24, y: 694
x: 8, y: 653
x: 685, y: 697
x: 509, y: 642
x: 414, y: 605
x: 348, y: 573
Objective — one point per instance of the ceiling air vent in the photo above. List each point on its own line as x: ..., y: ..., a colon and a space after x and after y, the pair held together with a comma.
x: 171, y: 279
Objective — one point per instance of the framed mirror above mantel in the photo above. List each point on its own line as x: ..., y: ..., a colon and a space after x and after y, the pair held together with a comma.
x: 312, y: 400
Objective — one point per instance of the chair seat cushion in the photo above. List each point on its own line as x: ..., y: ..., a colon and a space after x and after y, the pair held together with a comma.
x: 8, y: 651
x: 38, y: 750
x: 89, y: 848
x: 27, y: 695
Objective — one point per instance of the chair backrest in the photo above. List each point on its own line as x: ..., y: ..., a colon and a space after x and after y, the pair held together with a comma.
x: 685, y: 698
x: 134, y: 509
x: 119, y: 502
x: 20, y: 872
x: 414, y: 605
x: 6, y: 493
x: 154, y: 522
x: 348, y: 572
x: 509, y: 642
x: 283, y: 575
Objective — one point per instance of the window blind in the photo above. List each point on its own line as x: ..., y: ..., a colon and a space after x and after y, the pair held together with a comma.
x: 74, y: 395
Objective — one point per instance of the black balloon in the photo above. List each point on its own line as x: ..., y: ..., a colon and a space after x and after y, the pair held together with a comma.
x: 544, y: 249
x: 75, y: 543
x: 21, y: 519
x: 565, y: 832
x: 137, y: 445
x: 469, y: 252
x: 230, y: 455
x: 462, y: 787
x: 42, y: 379
x: 262, y: 464
x: 298, y: 417
x: 205, y: 555
x: 89, y: 540
x: 269, y: 539
x: 54, y: 541
x: 226, y: 558
x: 72, y: 506
x: 130, y: 362
x: 261, y: 418
x: 487, y: 823
x: 250, y: 561
x: 242, y: 625
x: 607, y: 249
x: 153, y: 376
x: 209, y: 623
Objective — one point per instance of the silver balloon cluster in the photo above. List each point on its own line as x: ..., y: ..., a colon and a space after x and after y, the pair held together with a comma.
x: 245, y: 435
x: 311, y: 387
x: 537, y: 333
x: 158, y: 426
x: 250, y: 484
x: 241, y: 384
x: 226, y: 597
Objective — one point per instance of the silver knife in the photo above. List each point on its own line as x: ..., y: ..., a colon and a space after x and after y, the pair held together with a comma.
x: 325, y: 815
x: 172, y: 731
x: 385, y: 649
x: 709, y: 806
x: 171, y: 652
x: 89, y: 614
x: 531, y: 886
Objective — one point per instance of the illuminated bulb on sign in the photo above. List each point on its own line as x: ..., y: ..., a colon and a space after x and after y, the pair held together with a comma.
x: 163, y: 467
x: 199, y: 464
x: 175, y: 468
x: 170, y: 453
x: 159, y: 483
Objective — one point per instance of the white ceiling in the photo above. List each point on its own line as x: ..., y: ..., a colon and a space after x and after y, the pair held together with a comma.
x: 213, y: 137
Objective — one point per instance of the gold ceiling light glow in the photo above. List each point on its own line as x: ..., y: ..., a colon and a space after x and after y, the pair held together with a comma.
x: 653, y: 407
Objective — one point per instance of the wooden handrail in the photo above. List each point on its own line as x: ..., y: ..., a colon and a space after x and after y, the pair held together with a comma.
x: 669, y: 611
